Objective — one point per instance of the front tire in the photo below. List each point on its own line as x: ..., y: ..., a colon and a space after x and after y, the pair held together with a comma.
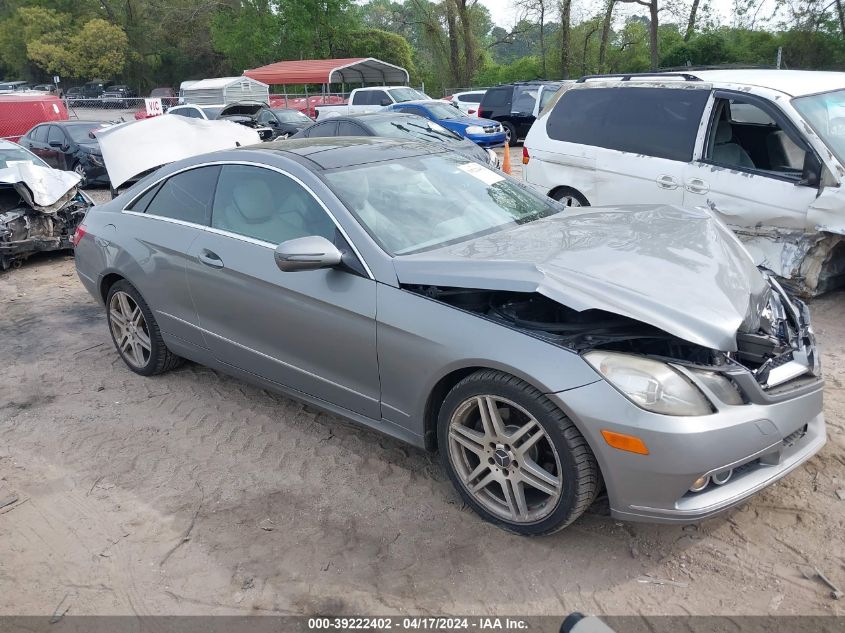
x: 570, y: 197
x: 135, y: 333
x: 511, y: 135
x: 515, y: 457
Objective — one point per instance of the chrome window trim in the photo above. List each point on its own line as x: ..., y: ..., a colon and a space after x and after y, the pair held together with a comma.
x: 245, y: 238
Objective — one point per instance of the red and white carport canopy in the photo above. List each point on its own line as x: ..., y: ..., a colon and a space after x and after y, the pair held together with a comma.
x: 352, y: 70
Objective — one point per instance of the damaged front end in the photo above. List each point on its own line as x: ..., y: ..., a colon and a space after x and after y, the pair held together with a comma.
x: 775, y: 348
x: 40, y: 209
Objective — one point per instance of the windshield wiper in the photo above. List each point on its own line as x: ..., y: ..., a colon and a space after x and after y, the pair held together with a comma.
x: 401, y: 127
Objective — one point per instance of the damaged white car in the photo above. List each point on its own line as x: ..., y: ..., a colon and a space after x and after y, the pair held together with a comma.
x: 40, y: 207
x: 764, y: 150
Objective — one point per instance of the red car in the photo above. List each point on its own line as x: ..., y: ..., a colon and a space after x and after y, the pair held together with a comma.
x: 21, y: 112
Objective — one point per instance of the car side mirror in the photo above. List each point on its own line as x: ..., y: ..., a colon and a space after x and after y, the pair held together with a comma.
x: 811, y: 173
x: 307, y: 253
x: 386, y: 102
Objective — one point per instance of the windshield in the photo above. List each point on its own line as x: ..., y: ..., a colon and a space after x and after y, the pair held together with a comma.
x: 443, y: 111
x: 406, y: 94
x: 212, y: 113
x: 826, y: 114
x: 291, y: 116
x: 417, y: 204
x: 413, y: 127
x: 11, y: 155
x: 80, y: 133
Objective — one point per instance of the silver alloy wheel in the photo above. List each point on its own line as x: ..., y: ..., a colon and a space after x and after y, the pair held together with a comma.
x: 80, y: 170
x: 129, y: 329
x: 505, y: 459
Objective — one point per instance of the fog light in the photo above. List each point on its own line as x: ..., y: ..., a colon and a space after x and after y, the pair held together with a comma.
x: 699, y: 484
x: 723, y: 477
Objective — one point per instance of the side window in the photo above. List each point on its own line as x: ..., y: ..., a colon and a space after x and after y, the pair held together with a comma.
x: 141, y: 203
x: 329, y: 128
x: 659, y: 122
x: 496, y: 98
x: 524, y: 98
x: 744, y: 136
x: 377, y: 96
x: 39, y: 134
x: 347, y: 128
x: 405, y: 109
x: 473, y: 97
x: 186, y: 196
x: 55, y: 135
x: 268, y: 206
x: 547, y: 94
x: 362, y: 97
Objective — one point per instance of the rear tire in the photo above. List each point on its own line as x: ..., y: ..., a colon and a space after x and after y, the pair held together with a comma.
x: 135, y: 333
x: 514, y: 456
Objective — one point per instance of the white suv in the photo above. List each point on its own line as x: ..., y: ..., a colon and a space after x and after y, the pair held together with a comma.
x: 762, y: 149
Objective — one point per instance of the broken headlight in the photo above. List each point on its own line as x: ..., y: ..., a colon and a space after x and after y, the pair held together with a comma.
x: 723, y: 388
x: 650, y: 384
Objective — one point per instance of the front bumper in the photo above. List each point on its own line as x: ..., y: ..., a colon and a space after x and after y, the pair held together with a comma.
x: 488, y: 140
x: 761, y: 441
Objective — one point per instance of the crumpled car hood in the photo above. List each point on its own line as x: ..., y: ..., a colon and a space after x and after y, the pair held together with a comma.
x: 43, y: 188
x: 681, y: 271
x: 133, y: 148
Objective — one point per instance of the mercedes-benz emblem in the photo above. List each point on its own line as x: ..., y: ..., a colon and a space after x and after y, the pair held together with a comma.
x: 502, y: 458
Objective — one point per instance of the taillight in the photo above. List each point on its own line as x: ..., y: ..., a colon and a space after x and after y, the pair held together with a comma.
x: 525, y: 156
x: 78, y: 234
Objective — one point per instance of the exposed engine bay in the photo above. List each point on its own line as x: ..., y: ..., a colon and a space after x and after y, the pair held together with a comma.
x: 27, y: 227
x: 780, y: 349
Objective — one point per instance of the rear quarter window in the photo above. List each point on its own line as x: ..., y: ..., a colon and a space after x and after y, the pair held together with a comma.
x: 498, y: 97
x: 659, y: 122
x: 186, y: 196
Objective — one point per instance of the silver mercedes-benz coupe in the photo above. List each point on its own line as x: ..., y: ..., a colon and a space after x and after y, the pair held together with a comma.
x: 547, y: 353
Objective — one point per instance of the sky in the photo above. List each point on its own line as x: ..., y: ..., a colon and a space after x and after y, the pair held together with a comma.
x: 504, y: 14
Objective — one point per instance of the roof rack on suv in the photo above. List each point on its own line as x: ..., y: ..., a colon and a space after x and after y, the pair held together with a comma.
x: 629, y: 76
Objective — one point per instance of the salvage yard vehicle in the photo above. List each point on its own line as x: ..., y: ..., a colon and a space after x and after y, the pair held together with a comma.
x: 467, y: 102
x: 255, y: 115
x: 402, y: 286
x: 19, y: 112
x: 71, y: 146
x: 40, y: 207
x: 762, y: 149
x: 515, y: 105
x: 402, y: 126
x: 118, y: 96
x: 290, y: 121
x: 207, y: 112
x: 482, y: 132
x: 370, y: 99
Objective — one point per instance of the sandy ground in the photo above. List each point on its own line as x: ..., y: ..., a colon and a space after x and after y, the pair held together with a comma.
x: 194, y: 493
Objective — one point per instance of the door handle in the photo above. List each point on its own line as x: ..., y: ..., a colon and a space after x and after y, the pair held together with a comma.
x: 697, y: 185
x: 210, y: 258
x: 666, y: 182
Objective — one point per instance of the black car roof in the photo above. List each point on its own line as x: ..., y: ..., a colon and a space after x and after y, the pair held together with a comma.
x: 373, y: 116
x: 344, y: 151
